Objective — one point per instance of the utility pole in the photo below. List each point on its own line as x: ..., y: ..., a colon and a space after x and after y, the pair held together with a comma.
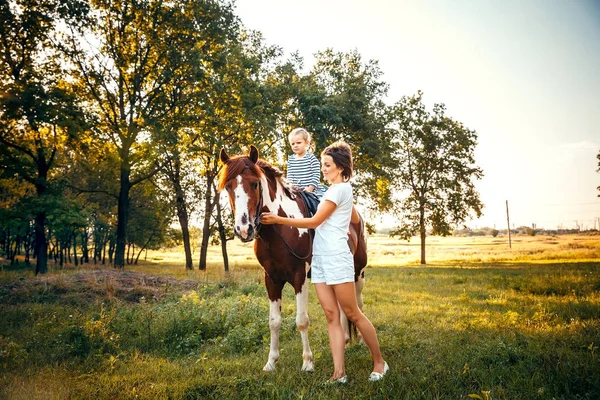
x: 508, y: 224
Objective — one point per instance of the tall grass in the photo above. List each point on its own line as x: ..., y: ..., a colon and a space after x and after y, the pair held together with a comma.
x: 458, y: 328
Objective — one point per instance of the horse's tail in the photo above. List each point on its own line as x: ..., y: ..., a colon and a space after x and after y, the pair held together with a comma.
x: 352, y: 331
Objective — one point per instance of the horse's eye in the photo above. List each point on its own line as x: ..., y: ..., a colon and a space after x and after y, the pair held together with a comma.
x: 228, y: 187
x: 254, y: 185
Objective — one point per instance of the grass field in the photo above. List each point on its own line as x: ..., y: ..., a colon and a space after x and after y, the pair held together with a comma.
x: 480, y: 320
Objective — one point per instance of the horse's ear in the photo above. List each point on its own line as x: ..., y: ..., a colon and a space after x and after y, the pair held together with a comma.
x: 223, y: 155
x: 253, y: 154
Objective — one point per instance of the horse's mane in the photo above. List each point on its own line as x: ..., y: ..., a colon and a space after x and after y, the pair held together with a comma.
x: 274, y: 174
x: 235, y: 166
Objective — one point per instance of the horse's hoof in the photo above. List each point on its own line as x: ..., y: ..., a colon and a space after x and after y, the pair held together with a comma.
x: 308, y: 367
x: 269, y: 367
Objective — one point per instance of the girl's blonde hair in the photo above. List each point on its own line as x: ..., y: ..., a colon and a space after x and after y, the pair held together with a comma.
x: 302, y: 132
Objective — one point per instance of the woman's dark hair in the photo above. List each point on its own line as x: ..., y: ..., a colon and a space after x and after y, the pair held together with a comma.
x: 341, y: 154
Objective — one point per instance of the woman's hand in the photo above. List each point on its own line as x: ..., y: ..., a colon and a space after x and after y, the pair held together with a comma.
x: 268, y: 218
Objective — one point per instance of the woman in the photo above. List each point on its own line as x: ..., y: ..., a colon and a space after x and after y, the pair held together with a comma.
x: 332, y: 269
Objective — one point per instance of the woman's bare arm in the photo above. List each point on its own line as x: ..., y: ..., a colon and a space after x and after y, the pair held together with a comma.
x: 324, y: 212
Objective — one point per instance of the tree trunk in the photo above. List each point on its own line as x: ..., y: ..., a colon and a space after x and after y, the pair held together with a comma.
x: 208, y: 207
x: 28, y: 243
x: 182, y: 215
x: 17, y: 246
x: 68, y: 238
x: 222, y: 234
x: 11, y: 253
x: 85, y: 236
x: 145, y: 247
x: 111, y: 251
x: 75, y: 247
x: 123, y: 210
x: 61, y: 252
x: 128, y: 256
x: 41, y: 245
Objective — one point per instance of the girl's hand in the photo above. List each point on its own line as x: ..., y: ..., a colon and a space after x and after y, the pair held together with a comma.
x: 268, y: 218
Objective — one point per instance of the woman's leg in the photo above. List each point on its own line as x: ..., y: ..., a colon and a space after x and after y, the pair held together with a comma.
x: 346, y: 296
x: 329, y: 303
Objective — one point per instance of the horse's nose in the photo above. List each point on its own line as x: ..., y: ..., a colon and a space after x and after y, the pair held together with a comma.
x: 237, y: 228
x: 250, y: 231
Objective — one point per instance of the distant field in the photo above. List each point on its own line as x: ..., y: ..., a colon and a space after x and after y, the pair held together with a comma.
x: 480, y: 320
x: 386, y: 251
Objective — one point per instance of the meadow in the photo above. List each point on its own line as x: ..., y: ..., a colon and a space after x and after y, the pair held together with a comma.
x: 480, y: 320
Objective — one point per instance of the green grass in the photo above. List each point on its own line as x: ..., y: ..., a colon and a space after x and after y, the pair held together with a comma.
x: 477, y: 328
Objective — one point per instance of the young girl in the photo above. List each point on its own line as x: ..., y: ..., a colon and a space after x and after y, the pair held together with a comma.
x: 332, y: 263
x: 303, y: 168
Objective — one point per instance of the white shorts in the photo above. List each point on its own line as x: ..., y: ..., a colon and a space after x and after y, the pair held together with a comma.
x: 332, y: 269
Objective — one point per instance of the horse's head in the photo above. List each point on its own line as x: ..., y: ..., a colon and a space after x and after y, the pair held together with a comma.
x: 241, y: 179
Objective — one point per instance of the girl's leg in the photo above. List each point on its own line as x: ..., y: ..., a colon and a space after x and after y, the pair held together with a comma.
x: 346, y: 296
x: 329, y: 303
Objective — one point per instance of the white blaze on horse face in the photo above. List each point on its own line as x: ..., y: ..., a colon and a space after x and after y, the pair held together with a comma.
x: 289, y: 206
x: 242, y: 215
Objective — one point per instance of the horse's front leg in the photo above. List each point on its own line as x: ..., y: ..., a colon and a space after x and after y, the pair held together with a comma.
x: 302, y: 323
x: 274, y: 291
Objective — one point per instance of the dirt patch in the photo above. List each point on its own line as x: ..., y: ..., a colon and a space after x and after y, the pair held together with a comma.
x: 93, y: 286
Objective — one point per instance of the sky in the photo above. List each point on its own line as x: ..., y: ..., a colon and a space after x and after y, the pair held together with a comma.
x: 525, y: 75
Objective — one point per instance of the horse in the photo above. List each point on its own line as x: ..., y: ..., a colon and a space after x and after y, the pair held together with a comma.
x: 285, y: 253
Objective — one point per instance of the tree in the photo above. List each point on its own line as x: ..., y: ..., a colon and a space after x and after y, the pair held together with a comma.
x: 39, y: 113
x: 435, y: 170
x: 143, y: 63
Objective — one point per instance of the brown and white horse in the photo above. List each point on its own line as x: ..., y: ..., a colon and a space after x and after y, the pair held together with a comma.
x: 285, y: 253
